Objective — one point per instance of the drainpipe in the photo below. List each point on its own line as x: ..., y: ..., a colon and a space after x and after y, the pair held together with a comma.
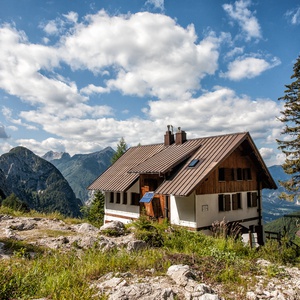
x: 260, y: 233
x: 166, y: 206
x: 259, y: 209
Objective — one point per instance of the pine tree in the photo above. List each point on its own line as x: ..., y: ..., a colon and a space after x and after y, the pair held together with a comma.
x: 290, y: 145
x: 121, y: 149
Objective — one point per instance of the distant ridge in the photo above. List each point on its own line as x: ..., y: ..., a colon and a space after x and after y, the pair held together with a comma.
x: 51, y: 155
x: 273, y: 207
x: 81, y: 170
x: 37, y: 182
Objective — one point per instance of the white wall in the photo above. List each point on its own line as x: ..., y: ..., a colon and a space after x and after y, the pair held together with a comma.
x: 183, y: 211
x: 122, y: 212
x: 207, y: 211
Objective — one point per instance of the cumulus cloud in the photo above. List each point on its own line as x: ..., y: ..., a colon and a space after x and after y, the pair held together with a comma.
x: 158, y: 58
x: 266, y: 153
x: 219, y: 111
x: 144, y: 54
x: 59, y: 25
x: 248, y: 67
x: 293, y: 16
x: 240, y: 13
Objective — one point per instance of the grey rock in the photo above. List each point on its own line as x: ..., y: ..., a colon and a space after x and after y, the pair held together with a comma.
x: 136, y: 245
x: 115, y: 228
x: 86, y: 228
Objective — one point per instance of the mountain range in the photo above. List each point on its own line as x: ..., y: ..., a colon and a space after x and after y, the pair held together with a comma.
x: 273, y: 206
x: 81, y: 170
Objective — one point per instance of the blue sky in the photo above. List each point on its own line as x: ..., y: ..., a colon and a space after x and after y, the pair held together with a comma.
x: 76, y: 76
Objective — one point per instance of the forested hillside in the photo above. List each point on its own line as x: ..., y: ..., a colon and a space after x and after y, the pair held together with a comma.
x: 36, y: 182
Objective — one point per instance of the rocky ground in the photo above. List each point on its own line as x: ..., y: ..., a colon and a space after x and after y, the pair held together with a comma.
x: 180, y: 281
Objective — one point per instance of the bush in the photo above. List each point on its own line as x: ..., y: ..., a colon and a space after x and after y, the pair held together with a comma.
x: 13, y: 202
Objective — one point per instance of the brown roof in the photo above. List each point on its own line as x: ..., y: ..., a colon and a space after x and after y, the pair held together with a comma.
x: 160, y: 159
x: 168, y: 158
x: 117, y: 177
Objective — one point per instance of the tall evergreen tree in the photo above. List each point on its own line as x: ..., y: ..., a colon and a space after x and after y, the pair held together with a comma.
x: 290, y: 144
x: 121, y: 149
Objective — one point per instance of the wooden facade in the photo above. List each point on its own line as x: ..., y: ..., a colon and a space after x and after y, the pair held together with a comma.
x: 240, y: 174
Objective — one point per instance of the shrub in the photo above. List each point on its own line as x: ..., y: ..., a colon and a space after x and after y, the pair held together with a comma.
x: 13, y: 202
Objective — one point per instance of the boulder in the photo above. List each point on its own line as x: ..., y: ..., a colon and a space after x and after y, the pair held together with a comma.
x: 114, y: 228
x: 136, y: 245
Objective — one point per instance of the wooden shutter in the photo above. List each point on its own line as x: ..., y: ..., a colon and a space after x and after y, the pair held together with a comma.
x: 229, y: 174
x: 235, y: 201
x: 227, y: 203
x: 254, y: 199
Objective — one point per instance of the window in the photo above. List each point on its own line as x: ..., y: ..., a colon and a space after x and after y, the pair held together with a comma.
x: 221, y: 174
x: 224, y: 202
x: 236, y: 201
x: 252, y: 199
x: 125, y: 198
x: 118, y: 200
x: 111, y: 197
x: 135, y: 199
x: 226, y: 174
x: 193, y: 163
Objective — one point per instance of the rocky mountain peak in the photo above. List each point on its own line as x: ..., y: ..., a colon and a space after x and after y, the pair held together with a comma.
x: 37, y: 182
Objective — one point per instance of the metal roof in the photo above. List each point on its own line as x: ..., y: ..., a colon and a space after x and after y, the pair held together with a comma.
x: 168, y: 158
x: 116, y: 177
x: 210, y: 151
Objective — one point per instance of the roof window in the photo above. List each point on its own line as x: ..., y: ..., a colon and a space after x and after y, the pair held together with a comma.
x: 193, y: 163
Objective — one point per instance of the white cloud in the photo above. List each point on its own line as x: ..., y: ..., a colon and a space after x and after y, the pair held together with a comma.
x: 266, y: 153
x: 51, y: 28
x: 245, y: 18
x: 91, y: 89
x: 7, y: 113
x: 234, y: 52
x: 248, y: 67
x: 159, y: 4
x: 5, y: 147
x: 158, y: 58
x: 293, y: 16
x: 71, y: 16
x: 144, y: 54
x: 220, y: 111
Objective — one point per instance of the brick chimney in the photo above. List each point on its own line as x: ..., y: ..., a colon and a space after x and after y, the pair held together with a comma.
x: 169, y: 136
x: 180, y: 136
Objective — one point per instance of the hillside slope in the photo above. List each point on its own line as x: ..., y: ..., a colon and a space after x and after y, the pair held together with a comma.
x: 37, y: 182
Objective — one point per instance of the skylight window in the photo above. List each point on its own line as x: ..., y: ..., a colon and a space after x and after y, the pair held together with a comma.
x: 193, y: 163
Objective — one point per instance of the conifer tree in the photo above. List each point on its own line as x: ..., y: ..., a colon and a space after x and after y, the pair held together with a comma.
x: 121, y: 149
x: 290, y: 144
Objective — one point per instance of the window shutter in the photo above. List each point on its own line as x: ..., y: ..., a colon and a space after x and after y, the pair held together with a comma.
x: 235, y: 201
x: 227, y: 202
x: 254, y: 199
x: 229, y: 174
